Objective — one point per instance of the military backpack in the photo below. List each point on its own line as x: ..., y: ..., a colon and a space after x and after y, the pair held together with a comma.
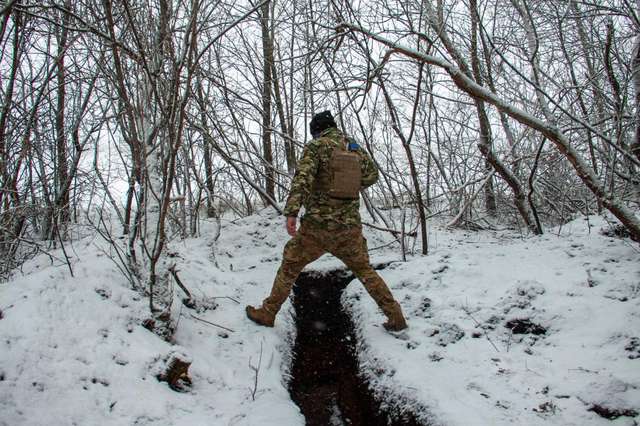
x: 345, y: 174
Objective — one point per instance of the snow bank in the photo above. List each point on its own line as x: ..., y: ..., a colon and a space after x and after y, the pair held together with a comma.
x: 506, y: 330
x: 73, y: 350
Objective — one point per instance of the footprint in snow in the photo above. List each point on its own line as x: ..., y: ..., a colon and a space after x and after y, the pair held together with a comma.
x: 440, y: 269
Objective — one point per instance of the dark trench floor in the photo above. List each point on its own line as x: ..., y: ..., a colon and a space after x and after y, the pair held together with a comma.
x: 325, y: 382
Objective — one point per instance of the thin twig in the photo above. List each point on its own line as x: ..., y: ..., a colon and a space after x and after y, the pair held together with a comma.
x: 256, y: 371
x: 122, y: 264
x: 393, y: 232
x: 466, y: 311
x: 179, y: 316
x: 226, y: 297
x: 64, y: 250
x: 211, y: 323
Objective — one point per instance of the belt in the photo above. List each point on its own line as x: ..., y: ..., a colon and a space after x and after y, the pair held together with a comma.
x: 328, y: 224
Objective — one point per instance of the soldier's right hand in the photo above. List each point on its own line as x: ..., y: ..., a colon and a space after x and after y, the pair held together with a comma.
x: 291, y: 225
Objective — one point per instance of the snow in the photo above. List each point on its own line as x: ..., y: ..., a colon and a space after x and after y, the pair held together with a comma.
x: 582, y: 287
x: 73, y: 349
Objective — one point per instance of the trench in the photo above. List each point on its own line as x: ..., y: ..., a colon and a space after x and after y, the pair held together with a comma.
x: 325, y: 381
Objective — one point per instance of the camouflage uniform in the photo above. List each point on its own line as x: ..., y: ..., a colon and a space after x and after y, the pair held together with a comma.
x: 329, y: 225
x: 311, y: 179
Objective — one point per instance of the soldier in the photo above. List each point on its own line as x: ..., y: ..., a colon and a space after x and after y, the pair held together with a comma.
x: 327, y: 182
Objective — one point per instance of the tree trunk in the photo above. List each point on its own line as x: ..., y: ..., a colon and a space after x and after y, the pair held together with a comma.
x: 267, y: 50
x: 60, y: 211
x: 635, y: 63
x: 485, y: 143
x: 208, y: 172
x: 417, y: 192
x: 287, y: 133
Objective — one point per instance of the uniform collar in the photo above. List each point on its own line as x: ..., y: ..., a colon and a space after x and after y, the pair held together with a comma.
x: 331, y: 131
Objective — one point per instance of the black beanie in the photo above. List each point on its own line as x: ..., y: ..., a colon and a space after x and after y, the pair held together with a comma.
x: 320, y: 122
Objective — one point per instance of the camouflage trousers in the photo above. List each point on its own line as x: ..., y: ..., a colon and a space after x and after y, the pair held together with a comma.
x: 347, y: 244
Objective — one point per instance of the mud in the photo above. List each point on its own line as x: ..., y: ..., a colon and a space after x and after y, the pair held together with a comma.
x: 325, y: 381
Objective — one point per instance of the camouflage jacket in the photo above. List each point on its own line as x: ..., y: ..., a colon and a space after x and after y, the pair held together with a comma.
x: 319, y: 207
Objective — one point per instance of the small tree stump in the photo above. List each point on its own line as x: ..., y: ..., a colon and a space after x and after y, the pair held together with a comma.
x: 176, y: 371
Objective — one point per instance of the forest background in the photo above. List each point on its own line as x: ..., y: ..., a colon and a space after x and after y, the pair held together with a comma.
x: 141, y: 119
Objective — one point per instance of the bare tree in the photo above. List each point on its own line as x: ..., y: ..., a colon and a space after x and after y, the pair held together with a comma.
x: 549, y: 130
x: 504, y: 110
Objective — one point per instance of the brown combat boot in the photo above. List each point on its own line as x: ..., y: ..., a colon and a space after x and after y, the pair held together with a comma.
x: 260, y: 316
x: 396, y: 321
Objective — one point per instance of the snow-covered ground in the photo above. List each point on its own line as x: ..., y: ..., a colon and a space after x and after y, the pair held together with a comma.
x: 73, y: 350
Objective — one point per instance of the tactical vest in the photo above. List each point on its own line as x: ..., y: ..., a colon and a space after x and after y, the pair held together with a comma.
x: 343, y: 176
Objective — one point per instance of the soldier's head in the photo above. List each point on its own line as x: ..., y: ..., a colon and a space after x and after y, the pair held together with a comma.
x: 321, y: 122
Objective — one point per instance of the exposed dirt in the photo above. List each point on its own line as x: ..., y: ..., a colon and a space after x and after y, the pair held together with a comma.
x: 525, y: 326
x: 325, y: 382
x: 612, y: 413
